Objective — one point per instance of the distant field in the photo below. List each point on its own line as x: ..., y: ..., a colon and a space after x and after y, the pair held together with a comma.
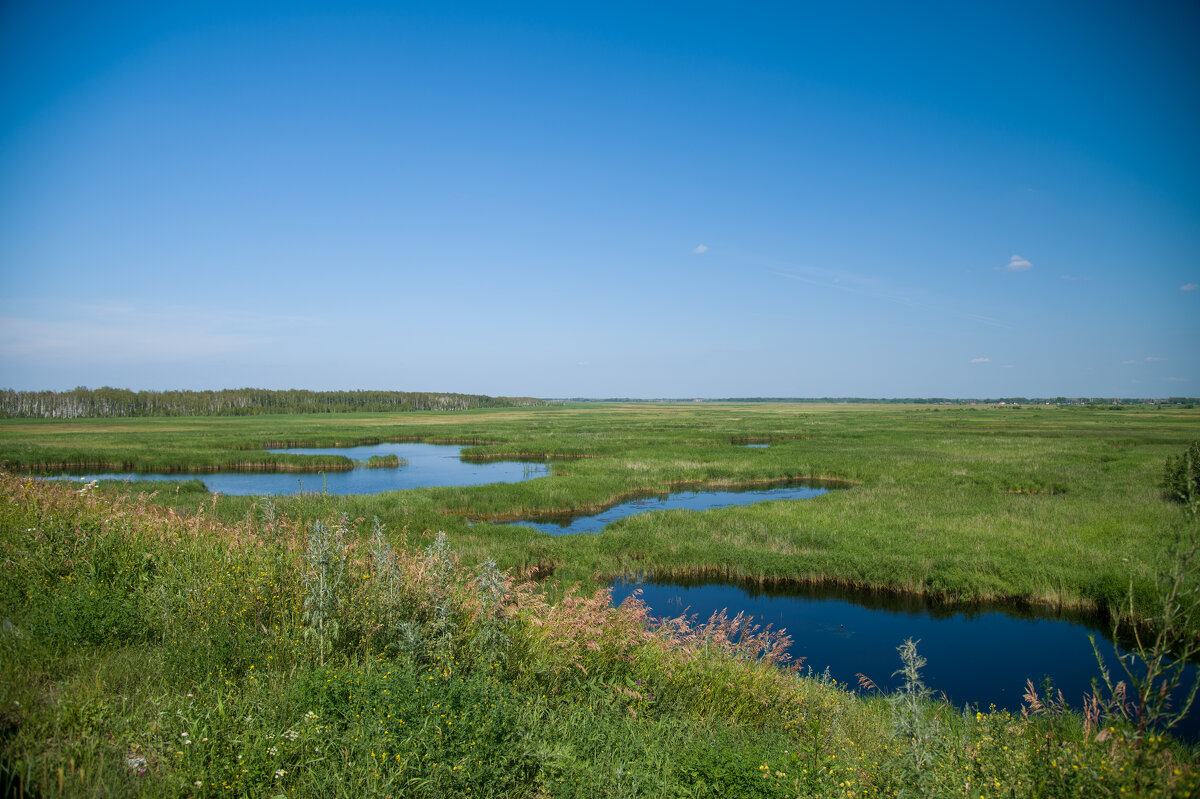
x: 1057, y: 505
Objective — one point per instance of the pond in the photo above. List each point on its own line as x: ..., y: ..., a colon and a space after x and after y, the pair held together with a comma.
x: 565, y: 524
x: 422, y: 466
x: 980, y: 656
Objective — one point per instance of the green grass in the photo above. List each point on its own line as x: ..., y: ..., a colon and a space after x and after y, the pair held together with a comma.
x: 1045, y: 505
x: 1058, y: 506
x: 152, y: 652
x: 383, y: 462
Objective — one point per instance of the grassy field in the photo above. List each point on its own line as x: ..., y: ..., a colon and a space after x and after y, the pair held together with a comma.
x: 1042, y: 505
x: 147, y: 651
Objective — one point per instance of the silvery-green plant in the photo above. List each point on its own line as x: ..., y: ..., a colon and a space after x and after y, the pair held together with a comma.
x: 912, y: 721
x: 398, y: 633
x: 441, y: 574
x: 267, y: 511
x: 492, y: 639
x: 387, y: 573
x: 406, y: 637
x: 324, y: 582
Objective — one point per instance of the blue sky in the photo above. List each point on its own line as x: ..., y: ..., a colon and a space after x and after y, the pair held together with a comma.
x: 611, y: 199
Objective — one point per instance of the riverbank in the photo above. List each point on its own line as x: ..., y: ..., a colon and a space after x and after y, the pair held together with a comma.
x: 152, y: 652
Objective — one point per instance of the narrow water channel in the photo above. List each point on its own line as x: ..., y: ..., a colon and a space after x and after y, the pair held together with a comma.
x: 569, y: 524
x: 979, y: 657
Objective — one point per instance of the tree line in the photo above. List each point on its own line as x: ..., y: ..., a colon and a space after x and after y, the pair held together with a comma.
x: 104, y: 402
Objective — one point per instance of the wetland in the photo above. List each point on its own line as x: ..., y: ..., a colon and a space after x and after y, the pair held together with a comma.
x: 127, y: 601
x: 1054, y: 505
x: 374, y: 468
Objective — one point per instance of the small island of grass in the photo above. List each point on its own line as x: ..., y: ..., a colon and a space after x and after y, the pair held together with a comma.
x: 384, y: 462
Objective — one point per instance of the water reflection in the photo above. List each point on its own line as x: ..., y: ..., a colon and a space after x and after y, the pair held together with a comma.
x: 980, y: 655
x: 422, y: 466
x: 567, y: 524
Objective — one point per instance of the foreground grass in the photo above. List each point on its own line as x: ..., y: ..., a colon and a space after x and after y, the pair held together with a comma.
x: 146, y: 652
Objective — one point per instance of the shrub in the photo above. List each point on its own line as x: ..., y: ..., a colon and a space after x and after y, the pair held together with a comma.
x: 1181, y: 475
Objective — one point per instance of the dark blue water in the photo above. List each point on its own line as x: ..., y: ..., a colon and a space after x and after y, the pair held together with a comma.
x: 981, y: 657
x: 426, y: 465
x: 679, y: 500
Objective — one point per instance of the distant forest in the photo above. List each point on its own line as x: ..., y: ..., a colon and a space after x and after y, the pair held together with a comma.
x: 118, y: 402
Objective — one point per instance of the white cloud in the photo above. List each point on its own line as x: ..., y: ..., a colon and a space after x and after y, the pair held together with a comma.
x: 1018, y: 264
x: 1126, y: 363
x: 700, y: 249
x: 1189, y: 287
x: 980, y: 360
x: 1154, y: 358
x: 1177, y: 379
x: 1007, y: 366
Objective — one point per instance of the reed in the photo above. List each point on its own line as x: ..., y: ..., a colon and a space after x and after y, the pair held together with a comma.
x: 383, y: 462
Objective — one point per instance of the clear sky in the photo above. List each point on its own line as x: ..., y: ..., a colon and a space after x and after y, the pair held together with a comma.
x: 643, y: 199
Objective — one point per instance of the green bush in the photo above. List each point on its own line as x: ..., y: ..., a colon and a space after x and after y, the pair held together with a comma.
x: 1181, y: 475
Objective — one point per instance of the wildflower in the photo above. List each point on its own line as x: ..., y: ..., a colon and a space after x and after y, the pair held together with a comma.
x: 279, y: 773
x: 198, y: 784
x: 272, y: 751
x: 310, y: 715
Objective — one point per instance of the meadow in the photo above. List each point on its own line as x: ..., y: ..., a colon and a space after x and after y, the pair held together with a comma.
x: 159, y: 640
x: 1058, y: 506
